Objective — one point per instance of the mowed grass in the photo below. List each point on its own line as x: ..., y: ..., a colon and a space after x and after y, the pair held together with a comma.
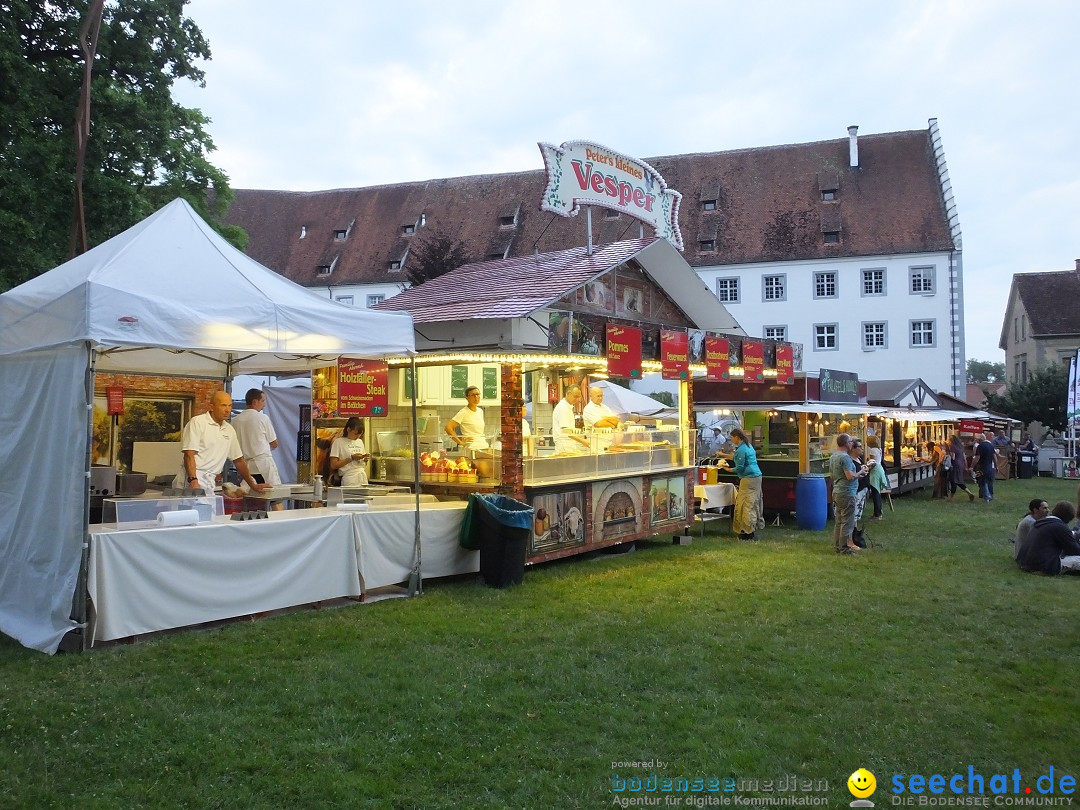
x: 926, y: 654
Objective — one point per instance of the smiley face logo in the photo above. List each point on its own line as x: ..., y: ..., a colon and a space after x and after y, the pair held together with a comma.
x: 861, y: 783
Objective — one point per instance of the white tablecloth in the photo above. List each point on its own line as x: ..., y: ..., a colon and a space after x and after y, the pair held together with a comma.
x: 385, y: 540
x: 715, y: 496
x: 153, y: 579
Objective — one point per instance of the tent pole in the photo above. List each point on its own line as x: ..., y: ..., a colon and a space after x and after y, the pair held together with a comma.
x: 416, y: 582
x: 79, y: 598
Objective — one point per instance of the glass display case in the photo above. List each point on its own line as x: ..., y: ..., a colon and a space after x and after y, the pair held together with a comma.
x: 617, y: 453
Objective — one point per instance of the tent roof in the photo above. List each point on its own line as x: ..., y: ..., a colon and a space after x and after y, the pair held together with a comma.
x: 171, y: 296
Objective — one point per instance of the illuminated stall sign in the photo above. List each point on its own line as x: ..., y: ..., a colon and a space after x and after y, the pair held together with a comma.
x: 623, y: 351
x: 785, y: 364
x: 674, y: 355
x: 584, y: 173
x: 362, y: 387
x: 717, y: 362
x: 753, y: 361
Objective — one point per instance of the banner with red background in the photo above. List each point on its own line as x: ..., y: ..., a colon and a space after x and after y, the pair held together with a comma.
x: 717, y: 361
x: 753, y: 361
x: 674, y: 355
x: 785, y: 365
x: 623, y: 351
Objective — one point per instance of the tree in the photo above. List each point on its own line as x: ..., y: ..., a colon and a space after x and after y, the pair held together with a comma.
x: 983, y: 371
x: 666, y: 397
x: 1041, y: 399
x: 144, y: 150
x: 433, y: 256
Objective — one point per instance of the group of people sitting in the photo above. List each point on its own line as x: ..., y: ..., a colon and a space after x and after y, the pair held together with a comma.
x: 1044, y: 543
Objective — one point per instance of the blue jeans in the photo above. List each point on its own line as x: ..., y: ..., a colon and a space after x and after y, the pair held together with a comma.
x: 986, y: 483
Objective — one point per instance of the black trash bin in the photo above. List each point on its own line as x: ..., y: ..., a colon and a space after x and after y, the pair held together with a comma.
x: 503, y: 526
x: 1027, y: 464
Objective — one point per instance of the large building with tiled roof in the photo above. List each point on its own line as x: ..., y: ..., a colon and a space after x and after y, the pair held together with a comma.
x: 1042, y: 321
x: 850, y: 247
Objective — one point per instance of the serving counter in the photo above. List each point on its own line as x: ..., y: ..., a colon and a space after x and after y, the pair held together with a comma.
x: 145, y: 580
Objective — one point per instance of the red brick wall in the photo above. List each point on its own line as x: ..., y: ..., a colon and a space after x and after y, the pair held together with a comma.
x: 199, y: 390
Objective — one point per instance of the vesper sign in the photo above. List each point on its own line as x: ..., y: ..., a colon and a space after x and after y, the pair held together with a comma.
x: 583, y: 173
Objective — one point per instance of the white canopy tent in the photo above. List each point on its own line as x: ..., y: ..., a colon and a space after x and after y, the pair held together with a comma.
x: 630, y: 403
x: 169, y: 296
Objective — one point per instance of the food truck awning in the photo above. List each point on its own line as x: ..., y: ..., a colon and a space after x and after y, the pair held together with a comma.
x: 829, y: 407
x: 932, y: 414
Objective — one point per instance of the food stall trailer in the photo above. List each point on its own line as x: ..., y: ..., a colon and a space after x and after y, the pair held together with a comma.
x: 525, y: 329
x: 793, y: 427
x: 118, y: 308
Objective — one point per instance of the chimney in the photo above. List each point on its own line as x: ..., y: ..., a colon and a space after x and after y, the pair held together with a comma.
x: 1077, y: 265
x: 853, y: 145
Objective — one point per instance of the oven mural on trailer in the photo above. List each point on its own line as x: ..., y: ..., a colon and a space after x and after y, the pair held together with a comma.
x: 618, y: 510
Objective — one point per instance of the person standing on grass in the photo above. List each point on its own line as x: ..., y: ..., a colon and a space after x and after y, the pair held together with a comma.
x: 845, y: 483
x: 1051, y: 547
x: 873, y: 459
x: 958, y: 473
x: 1037, y: 510
x: 747, y: 503
x: 935, y: 454
x: 985, y: 466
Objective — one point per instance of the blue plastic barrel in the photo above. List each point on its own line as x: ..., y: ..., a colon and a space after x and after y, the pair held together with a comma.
x: 811, y: 501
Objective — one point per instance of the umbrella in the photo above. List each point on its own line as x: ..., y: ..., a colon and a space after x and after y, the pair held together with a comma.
x: 630, y: 403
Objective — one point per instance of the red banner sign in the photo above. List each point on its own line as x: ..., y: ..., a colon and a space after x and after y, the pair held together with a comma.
x: 623, y: 351
x: 114, y: 397
x: 753, y: 361
x: 971, y: 426
x: 674, y: 355
x: 785, y: 365
x: 717, y: 359
x: 362, y: 386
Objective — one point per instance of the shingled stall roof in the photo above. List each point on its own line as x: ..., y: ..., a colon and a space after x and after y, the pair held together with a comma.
x: 1051, y: 301
x: 515, y: 288
x: 747, y: 205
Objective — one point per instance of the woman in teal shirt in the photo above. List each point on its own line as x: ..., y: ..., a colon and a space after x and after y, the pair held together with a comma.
x: 748, y: 502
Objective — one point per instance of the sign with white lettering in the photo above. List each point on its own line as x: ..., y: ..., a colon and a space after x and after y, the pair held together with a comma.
x: 674, y: 355
x: 624, y: 351
x: 362, y: 387
x: 584, y: 173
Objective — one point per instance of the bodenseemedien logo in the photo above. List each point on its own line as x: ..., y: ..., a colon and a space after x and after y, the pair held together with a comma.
x: 862, y: 785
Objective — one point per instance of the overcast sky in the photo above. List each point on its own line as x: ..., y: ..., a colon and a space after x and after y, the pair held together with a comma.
x: 337, y: 94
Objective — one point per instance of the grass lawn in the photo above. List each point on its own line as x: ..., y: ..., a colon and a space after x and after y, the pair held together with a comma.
x: 722, y: 659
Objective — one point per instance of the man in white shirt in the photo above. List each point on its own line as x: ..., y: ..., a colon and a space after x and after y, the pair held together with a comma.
x: 207, y: 442
x: 596, y: 413
x: 562, y: 423
x: 257, y: 438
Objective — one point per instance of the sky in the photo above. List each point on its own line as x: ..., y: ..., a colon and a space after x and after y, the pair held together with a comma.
x: 350, y: 93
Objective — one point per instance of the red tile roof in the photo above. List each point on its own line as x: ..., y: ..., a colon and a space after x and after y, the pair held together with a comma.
x: 768, y: 207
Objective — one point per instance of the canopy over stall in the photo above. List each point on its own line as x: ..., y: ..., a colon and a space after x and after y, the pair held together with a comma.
x: 630, y: 403
x: 167, y: 296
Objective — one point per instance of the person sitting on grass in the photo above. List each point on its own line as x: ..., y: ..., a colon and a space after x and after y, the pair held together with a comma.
x: 1037, y: 510
x: 1051, y: 548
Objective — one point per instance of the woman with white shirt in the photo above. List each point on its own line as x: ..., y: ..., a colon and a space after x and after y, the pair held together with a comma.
x: 470, y: 420
x: 349, y: 456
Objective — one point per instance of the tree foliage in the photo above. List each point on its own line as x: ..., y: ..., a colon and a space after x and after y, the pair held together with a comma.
x: 434, y: 255
x: 144, y: 150
x: 1041, y: 399
x: 983, y: 371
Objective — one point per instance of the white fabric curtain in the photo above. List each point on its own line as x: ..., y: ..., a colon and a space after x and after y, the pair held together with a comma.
x: 43, y: 442
x: 283, y: 409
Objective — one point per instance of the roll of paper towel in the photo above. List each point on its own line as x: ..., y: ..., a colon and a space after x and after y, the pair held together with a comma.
x: 181, y: 517
x: 352, y: 507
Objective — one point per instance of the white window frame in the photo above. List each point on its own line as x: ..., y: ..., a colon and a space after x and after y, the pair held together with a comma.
x: 922, y: 331
x: 818, y: 335
x: 347, y: 300
x: 821, y: 277
x: 925, y: 277
x: 873, y: 337
x: 774, y: 332
x: 731, y: 284
x: 777, y: 280
x: 868, y: 275
x: 375, y: 298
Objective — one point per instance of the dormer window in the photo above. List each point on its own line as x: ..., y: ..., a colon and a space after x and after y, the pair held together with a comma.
x: 708, y: 205
x: 303, y: 231
x: 831, y: 237
x: 506, y: 222
x: 828, y: 196
x: 339, y: 235
x: 707, y: 246
x: 325, y: 269
x: 408, y: 229
x: 395, y: 265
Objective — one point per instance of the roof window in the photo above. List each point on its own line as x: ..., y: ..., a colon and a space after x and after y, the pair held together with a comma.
x: 408, y: 229
x: 708, y: 205
x: 340, y: 235
x: 831, y: 237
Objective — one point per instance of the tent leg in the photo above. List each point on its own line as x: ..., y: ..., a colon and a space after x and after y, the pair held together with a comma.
x: 416, y: 582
